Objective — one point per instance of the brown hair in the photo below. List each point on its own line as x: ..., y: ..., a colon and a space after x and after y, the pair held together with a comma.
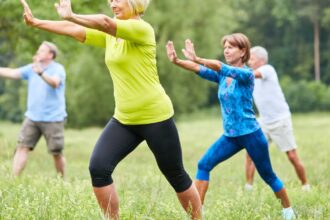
x: 241, y: 41
x: 52, y: 48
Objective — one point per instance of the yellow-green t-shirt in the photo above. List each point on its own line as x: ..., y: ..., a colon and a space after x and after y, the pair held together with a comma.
x: 131, y: 60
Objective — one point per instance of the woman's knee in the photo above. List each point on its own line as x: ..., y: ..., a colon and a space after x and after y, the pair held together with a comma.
x: 204, y: 165
x: 271, y: 179
x: 276, y: 184
x: 100, y: 174
x: 178, y: 178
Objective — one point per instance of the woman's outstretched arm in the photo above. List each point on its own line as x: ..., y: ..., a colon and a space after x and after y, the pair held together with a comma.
x: 58, y: 27
x: 190, y: 54
x: 202, y: 71
x: 186, y: 64
x: 98, y: 21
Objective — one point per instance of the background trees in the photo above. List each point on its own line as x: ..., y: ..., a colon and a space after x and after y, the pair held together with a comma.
x: 290, y: 30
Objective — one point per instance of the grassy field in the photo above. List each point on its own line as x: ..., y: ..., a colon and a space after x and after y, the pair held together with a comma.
x: 144, y: 192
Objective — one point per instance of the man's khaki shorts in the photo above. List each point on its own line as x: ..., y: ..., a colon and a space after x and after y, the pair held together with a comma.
x: 281, y: 133
x: 53, y: 132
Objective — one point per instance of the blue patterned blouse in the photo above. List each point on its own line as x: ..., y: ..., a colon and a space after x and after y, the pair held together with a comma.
x: 235, y: 98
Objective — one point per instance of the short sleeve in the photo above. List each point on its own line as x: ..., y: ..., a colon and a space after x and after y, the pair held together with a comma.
x: 95, y: 38
x: 25, y: 71
x: 266, y: 71
x: 60, y: 72
x: 137, y: 31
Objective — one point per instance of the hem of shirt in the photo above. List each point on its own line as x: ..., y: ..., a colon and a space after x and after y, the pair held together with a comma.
x: 143, y: 122
x: 245, y: 133
x: 49, y: 120
x: 275, y: 120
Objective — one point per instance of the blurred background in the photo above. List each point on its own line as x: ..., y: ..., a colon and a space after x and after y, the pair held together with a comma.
x: 295, y: 33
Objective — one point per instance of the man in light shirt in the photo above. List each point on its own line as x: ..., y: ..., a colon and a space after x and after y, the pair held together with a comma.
x: 46, y: 110
x: 275, y: 116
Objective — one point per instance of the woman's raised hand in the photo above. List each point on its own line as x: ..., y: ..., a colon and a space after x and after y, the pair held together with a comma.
x: 189, y: 51
x: 64, y: 9
x: 27, y: 14
x: 171, y: 53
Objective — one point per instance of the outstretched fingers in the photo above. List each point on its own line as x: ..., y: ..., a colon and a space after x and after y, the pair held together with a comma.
x: 27, y: 14
x: 189, y: 51
x: 64, y: 9
x: 189, y: 45
x: 23, y: 2
x: 171, y: 53
x: 25, y: 6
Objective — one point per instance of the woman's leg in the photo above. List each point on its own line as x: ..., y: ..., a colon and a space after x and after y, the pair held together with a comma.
x: 202, y: 187
x: 115, y: 143
x: 108, y: 200
x: 163, y: 140
x: 257, y: 147
x: 221, y: 150
x: 249, y: 171
x: 190, y: 201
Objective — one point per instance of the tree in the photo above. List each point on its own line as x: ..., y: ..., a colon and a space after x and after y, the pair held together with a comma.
x: 313, y: 10
x: 283, y: 27
x: 178, y: 20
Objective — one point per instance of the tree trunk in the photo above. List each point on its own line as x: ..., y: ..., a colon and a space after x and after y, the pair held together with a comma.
x: 317, y: 70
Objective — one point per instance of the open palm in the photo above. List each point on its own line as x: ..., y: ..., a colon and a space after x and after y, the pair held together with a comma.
x: 27, y: 14
x: 189, y: 51
x: 64, y: 9
x: 171, y: 53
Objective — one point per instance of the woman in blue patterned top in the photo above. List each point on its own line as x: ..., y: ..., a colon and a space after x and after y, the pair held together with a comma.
x: 241, y: 129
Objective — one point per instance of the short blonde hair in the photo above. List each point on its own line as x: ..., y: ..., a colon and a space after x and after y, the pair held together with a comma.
x: 138, y: 6
x: 52, y: 48
x: 241, y: 41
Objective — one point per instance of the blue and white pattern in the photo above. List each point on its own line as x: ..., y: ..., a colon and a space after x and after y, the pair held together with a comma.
x: 235, y: 98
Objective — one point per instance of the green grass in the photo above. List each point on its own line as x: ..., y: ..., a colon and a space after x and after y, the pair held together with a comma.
x: 144, y: 192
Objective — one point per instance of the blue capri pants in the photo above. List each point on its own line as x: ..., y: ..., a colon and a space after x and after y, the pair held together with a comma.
x: 257, y: 147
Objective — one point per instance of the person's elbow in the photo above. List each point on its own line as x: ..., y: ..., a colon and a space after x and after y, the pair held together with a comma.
x: 196, y: 68
x: 215, y: 65
x: 55, y: 84
x: 109, y: 26
x: 79, y: 34
x: 257, y: 74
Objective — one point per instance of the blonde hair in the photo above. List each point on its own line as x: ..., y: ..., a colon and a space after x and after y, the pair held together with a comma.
x: 241, y: 41
x: 138, y: 6
x: 52, y: 48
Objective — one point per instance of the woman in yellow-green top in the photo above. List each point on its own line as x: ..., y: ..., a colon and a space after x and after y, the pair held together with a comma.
x: 143, y: 109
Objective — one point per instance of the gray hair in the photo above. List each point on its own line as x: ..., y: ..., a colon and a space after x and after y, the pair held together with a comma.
x: 138, y: 6
x: 52, y: 48
x: 260, y: 52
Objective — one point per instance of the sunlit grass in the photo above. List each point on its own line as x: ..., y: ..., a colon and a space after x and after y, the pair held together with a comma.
x: 144, y: 192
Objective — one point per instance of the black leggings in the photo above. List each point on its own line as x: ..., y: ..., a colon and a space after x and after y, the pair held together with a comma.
x: 118, y: 140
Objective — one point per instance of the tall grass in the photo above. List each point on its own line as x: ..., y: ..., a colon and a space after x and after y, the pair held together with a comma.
x: 144, y: 192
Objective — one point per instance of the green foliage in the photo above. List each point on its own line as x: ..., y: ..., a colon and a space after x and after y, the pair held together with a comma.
x: 183, y: 21
x: 89, y: 88
x: 286, y: 28
x: 9, y: 102
x: 325, y: 20
x: 279, y: 25
x: 304, y: 96
x: 89, y: 92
